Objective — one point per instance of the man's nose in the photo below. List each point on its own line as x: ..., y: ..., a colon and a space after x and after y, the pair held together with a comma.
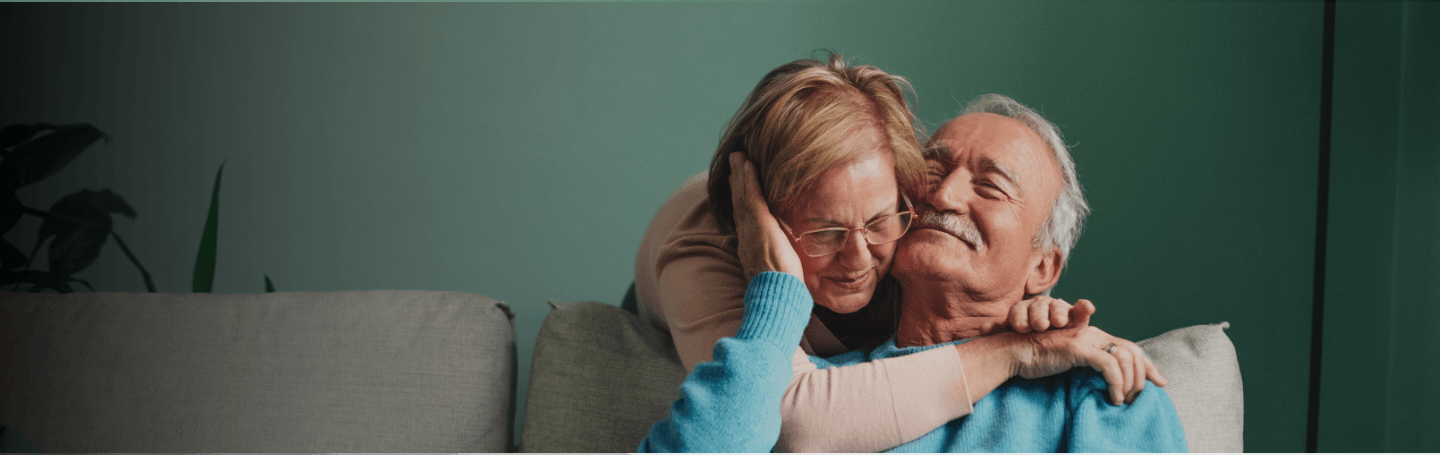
x: 951, y: 194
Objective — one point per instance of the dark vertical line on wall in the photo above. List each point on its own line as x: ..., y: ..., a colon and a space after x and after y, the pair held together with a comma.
x: 1322, y: 204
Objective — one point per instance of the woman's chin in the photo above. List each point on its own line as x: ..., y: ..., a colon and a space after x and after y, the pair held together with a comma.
x: 846, y: 303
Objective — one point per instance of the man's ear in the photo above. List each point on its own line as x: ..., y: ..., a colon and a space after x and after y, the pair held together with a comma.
x: 1045, y: 272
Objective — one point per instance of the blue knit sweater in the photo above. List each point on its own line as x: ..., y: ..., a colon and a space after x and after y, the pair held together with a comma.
x: 732, y: 403
x: 1067, y: 412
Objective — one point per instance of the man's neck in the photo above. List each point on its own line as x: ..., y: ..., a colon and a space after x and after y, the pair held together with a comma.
x: 933, y: 314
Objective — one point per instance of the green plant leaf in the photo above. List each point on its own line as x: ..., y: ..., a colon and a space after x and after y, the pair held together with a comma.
x: 10, y: 210
x: 23, y: 276
x: 58, y: 286
x: 41, y: 280
x: 45, y: 155
x: 10, y: 257
x: 144, y: 274
x: 204, y: 278
x: 13, y: 135
x: 109, y: 202
x: 81, y: 207
x: 8, y: 180
x: 269, y: 287
x: 80, y: 229
x: 76, y: 248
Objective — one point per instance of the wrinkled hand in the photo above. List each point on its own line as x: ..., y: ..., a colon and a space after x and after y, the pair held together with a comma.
x: 1042, y: 313
x: 1125, y: 368
x: 763, y: 246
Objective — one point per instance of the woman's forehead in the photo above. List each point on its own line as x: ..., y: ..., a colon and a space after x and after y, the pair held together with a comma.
x: 849, y: 194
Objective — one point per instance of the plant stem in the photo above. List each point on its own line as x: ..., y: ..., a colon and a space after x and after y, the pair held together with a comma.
x: 149, y: 284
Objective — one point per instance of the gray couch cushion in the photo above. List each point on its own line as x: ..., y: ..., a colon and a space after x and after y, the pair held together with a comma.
x: 1205, y: 385
x: 601, y: 377
x: 374, y: 371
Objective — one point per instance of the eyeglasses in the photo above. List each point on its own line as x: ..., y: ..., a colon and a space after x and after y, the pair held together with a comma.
x: 824, y: 242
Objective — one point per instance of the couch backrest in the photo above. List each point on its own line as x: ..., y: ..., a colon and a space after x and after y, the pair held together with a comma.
x: 1204, y: 374
x: 601, y: 377
x: 372, y: 371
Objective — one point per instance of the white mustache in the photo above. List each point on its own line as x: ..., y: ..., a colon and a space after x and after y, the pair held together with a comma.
x: 953, y: 224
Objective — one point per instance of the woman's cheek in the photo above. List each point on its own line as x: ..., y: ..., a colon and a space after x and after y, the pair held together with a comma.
x: 884, y: 256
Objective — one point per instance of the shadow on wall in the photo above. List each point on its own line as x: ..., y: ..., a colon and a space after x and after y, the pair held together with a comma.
x: 80, y: 223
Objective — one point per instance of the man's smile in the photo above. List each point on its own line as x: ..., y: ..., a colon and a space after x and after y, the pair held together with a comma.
x: 950, y: 223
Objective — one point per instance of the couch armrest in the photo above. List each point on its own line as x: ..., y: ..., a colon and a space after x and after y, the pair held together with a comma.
x: 372, y: 371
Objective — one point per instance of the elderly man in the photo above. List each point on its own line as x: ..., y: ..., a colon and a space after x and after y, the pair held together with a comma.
x: 1004, y: 210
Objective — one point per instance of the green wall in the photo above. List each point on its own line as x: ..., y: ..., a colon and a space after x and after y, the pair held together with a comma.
x: 518, y: 150
x: 1383, y: 273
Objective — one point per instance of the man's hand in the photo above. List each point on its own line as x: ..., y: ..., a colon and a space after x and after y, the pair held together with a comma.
x: 1121, y: 362
x: 763, y: 245
x: 1043, y: 313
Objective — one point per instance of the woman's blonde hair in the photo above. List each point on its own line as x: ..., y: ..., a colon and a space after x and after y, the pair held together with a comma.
x: 796, y: 123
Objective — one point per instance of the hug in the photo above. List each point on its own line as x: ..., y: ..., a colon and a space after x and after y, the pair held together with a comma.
x: 831, y: 284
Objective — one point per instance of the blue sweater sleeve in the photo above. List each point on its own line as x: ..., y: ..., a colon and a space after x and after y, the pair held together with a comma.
x: 1150, y: 424
x: 732, y: 403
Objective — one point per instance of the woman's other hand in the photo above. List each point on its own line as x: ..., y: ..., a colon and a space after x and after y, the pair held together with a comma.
x: 764, y: 247
x: 1122, y: 362
x: 1042, y: 313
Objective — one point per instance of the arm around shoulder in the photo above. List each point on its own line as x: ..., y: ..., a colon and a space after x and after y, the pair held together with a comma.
x: 732, y: 403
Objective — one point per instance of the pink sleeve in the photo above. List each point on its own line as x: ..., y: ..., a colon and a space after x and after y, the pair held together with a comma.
x: 703, y: 290
x: 871, y: 406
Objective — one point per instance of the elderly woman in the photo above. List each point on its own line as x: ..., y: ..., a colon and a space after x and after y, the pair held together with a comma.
x: 832, y: 149
x: 837, y: 149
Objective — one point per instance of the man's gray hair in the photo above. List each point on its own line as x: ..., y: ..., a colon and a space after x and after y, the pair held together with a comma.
x: 1067, y: 216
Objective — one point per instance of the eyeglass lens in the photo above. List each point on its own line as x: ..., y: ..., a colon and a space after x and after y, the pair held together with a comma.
x: 884, y: 230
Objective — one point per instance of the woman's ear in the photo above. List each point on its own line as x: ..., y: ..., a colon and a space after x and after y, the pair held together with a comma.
x: 1045, y: 271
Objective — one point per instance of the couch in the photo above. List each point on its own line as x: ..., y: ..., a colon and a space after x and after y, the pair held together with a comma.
x: 393, y: 371
x: 375, y: 371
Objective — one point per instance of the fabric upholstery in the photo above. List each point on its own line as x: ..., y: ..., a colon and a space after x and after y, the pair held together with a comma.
x: 601, y: 377
x: 1205, y: 385
x: 374, y: 371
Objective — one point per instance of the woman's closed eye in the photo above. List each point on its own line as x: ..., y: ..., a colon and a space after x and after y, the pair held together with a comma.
x: 829, y: 235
